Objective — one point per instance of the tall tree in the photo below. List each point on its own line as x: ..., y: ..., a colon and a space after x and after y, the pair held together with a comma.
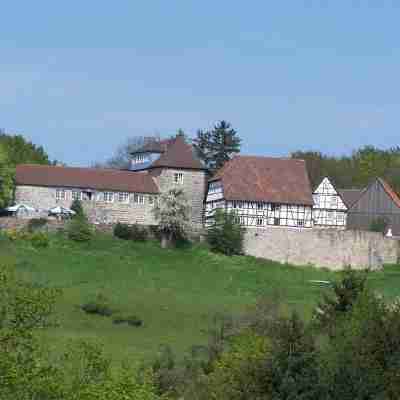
x: 217, y: 146
x: 14, y: 150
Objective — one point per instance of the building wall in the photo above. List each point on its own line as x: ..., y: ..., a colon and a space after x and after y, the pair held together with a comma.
x: 97, y: 210
x: 374, y: 203
x: 330, y: 248
x: 329, y: 209
x: 193, y: 185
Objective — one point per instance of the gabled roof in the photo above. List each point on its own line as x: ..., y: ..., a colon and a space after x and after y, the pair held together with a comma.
x: 389, y: 190
x: 275, y: 180
x: 350, y: 196
x: 85, y: 178
x: 178, y: 154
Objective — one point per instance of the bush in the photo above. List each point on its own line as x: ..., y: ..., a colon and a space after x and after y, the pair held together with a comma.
x: 99, y: 306
x: 130, y: 232
x: 379, y: 224
x: 79, y: 230
x: 77, y: 207
x: 36, y: 224
x: 226, y: 234
x: 138, y: 233
x: 39, y: 239
x: 131, y: 320
x: 122, y: 231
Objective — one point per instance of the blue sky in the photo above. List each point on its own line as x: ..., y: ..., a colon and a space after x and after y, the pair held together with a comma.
x: 79, y: 77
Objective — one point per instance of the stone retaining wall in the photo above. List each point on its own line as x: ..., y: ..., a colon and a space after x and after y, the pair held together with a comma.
x: 330, y: 248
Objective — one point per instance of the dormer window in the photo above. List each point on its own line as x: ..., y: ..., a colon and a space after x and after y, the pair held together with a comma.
x: 139, y: 158
x: 178, y: 178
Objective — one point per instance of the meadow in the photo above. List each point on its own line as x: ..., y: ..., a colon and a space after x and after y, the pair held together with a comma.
x: 177, y: 293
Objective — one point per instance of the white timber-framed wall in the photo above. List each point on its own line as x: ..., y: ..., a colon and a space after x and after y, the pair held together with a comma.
x: 257, y: 214
x: 329, y: 209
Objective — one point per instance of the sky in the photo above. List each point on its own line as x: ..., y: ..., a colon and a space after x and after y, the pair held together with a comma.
x: 80, y: 77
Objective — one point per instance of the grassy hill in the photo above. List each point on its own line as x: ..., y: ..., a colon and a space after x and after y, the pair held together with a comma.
x: 175, y: 292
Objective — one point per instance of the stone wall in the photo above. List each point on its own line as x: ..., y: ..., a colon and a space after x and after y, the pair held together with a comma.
x: 193, y: 185
x: 330, y: 248
x: 97, y: 210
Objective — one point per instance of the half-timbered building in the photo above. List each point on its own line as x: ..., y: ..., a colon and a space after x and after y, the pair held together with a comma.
x: 329, y: 210
x: 262, y: 191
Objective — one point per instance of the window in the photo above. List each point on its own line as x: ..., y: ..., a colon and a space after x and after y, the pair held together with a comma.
x: 275, y: 207
x: 108, y: 197
x: 277, y: 221
x: 123, y: 197
x: 178, y: 178
x: 151, y: 200
x: 260, y: 221
x: 300, y: 222
x: 61, y: 194
x: 260, y: 206
x: 138, y: 198
x: 139, y: 159
x: 76, y: 195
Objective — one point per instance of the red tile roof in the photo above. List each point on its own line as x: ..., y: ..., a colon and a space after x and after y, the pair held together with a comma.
x: 91, y: 178
x: 389, y: 190
x: 178, y: 154
x: 275, y: 180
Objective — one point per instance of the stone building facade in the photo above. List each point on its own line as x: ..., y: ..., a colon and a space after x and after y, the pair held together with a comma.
x: 109, y: 196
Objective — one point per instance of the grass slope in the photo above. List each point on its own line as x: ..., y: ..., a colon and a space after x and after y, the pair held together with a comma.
x: 175, y: 292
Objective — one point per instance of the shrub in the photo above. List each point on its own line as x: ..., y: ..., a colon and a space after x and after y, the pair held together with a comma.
x: 36, y: 224
x: 131, y: 320
x: 39, y: 239
x: 379, y: 224
x: 99, y: 306
x: 138, y: 233
x: 79, y: 230
x: 122, y: 231
x: 226, y: 234
x: 77, y: 207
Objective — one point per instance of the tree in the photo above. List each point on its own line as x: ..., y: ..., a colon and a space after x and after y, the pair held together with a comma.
x: 226, y: 235
x: 14, y: 150
x: 217, y: 146
x: 172, y: 215
x: 77, y: 207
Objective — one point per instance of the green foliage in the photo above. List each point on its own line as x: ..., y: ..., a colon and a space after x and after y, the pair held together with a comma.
x: 131, y: 320
x: 77, y: 207
x: 14, y: 150
x: 39, y: 239
x: 100, y: 306
x: 356, y: 170
x: 130, y: 232
x: 335, y: 305
x: 35, y: 224
x: 379, y: 224
x: 122, y: 231
x: 79, y: 229
x: 217, y: 146
x: 225, y: 235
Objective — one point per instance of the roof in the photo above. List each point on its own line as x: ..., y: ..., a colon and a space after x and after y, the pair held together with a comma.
x: 350, y: 196
x: 91, y: 178
x: 389, y: 190
x: 275, y: 180
x: 154, y: 146
x: 178, y: 154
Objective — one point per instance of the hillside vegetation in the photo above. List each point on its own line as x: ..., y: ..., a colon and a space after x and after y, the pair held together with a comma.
x: 176, y: 293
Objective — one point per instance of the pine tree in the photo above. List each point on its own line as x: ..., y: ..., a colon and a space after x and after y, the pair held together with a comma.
x: 217, y: 146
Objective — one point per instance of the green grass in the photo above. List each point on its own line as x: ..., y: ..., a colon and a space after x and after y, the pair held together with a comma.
x: 175, y: 292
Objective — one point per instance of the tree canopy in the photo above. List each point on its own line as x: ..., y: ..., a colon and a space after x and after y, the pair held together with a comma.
x: 217, y: 146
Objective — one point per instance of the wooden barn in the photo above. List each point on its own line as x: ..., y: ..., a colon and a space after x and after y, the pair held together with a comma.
x: 378, y: 199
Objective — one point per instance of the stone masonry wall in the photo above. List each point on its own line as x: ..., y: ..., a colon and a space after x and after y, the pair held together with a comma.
x: 97, y: 211
x: 330, y: 248
x: 194, y: 187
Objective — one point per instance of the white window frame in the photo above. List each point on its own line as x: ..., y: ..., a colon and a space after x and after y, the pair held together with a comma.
x: 178, y: 178
x: 123, y: 197
x: 79, y: 195
x: 138, y: 198
x: 108, y: 197
x: 59, y: 192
